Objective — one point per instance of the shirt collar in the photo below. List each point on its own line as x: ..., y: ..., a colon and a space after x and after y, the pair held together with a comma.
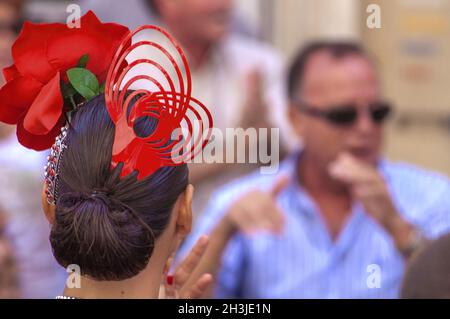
x: 298, y: 198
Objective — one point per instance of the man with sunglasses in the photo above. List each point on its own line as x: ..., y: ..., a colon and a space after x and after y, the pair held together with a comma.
x: 337, y: 220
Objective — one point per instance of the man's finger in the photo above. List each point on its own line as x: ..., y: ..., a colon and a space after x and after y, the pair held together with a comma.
x: 168, y: 264
x: 280, y: 184
x: 199, y: 288
x: 246, y: 222
x: 190, y: 262
x: 350, y: 170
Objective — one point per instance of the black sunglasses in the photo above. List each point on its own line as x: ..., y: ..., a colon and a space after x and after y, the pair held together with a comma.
x: 347, y: 114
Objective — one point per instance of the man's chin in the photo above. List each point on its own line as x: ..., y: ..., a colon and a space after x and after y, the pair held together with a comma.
x: 217, y: 32
x: 367, y: 157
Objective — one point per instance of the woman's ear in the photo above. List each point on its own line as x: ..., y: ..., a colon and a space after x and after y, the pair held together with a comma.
x: 49, y: 209
x: 184, y: 217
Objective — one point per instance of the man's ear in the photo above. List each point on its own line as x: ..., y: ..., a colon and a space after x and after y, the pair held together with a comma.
x: 296, y: 120
x: 49, y: 209
x: 184, y: 218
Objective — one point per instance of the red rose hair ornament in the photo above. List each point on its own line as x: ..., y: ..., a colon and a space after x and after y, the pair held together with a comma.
x: 36, y: 96
x: 165, y: 97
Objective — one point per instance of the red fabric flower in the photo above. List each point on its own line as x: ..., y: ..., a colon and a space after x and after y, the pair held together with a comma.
x: 42, y: 54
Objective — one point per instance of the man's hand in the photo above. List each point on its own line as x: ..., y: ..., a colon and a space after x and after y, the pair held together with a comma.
x: 366, y: 185
x: 177, y: 286
x: 254, y: 111
x: 256, y: 210
x: 369, y: 188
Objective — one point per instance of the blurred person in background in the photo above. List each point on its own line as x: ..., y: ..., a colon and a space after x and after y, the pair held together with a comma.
x: 238, y: 78
x: 337, y: 220
x: 427, y: 275
x: 9, y: 24
x: 24, y: 245
x: 8, y: 269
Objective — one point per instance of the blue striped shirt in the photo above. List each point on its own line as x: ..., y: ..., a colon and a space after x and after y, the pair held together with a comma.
x: 303, y: 262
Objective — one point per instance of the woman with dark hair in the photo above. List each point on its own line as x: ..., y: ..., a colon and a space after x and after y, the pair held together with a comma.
x: 116, y: 191
x: 119, y: 231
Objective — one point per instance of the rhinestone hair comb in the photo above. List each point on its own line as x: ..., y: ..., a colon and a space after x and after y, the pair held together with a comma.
x: 52, y: 166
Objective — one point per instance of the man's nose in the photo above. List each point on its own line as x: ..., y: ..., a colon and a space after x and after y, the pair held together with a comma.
x: 365, y: 123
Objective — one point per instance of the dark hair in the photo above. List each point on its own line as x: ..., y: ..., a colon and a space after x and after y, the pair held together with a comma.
x: 338, y: 50
x: 106, y: 224
x: 427, y: 275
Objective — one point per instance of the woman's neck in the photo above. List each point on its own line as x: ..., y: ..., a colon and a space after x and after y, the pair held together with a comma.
x: 145, y: 285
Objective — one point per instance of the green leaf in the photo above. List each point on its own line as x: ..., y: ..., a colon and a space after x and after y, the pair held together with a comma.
x: 82, y: 62
x: 84, y: 82
x: 102, y: 87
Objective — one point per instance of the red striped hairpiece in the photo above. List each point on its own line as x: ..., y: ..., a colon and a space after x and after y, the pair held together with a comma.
x: 170, y: 104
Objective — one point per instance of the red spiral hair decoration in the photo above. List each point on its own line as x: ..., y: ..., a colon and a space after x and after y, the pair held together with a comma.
x: 171, y: 104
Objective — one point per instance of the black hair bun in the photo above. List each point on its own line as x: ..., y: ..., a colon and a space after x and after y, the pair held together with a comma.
x: 101, y: 236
